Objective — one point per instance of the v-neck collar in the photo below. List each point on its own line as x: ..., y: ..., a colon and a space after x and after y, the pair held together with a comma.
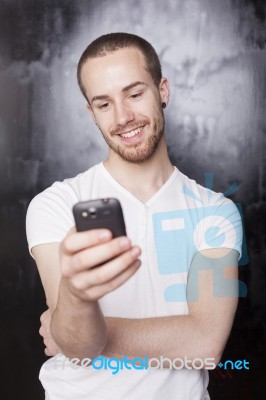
x: 130, y: 195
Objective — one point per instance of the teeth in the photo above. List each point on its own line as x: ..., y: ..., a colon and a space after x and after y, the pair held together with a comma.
x: 131, y: 133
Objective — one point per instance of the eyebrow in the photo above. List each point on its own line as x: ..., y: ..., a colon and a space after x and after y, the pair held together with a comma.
x: 125, y: 89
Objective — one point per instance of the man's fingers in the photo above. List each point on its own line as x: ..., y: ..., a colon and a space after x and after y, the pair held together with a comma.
x: 41, y: 331
x: 96, y: 255
x: 96, y: 292
x: 107, y: 272
x: 47, y: 352
x: 45, y: 315
x: 77, y: 241
x: 93, y: 258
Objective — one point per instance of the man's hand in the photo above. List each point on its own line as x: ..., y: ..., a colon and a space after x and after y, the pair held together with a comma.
x: 51, y: 348
x: 93, y: 264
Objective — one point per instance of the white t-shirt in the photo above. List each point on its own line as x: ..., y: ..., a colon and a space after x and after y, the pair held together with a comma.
x: 178, y: 221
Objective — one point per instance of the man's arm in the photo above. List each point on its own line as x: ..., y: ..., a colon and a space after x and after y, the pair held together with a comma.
x: 73, y: 286
x: 202, y: 333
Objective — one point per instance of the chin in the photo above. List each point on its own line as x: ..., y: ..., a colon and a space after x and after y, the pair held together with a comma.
x: 138, y: 158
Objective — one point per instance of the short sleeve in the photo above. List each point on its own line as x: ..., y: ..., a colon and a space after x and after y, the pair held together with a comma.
x: 220, y: 226
x: 49, y: 215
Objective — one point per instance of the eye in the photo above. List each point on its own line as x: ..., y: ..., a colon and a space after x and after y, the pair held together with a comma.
x: 103, y: 106
x: 136, y: 95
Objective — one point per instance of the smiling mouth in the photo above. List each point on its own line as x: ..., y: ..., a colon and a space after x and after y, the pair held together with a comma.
x: 132, y: 133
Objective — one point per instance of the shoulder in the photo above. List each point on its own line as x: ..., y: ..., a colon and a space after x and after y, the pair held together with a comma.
x: 49, y: 215
x: 66, y: 192
x: 216, y: 219
x: 207, y: 201
x: 198, y: 195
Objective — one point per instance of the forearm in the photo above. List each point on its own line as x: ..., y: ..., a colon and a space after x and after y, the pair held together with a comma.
x: 77, y: 326
x: 202, y: 333
x: 171, y: 337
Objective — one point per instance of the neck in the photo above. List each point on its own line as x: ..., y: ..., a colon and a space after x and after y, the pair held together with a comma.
x: 142, y: 180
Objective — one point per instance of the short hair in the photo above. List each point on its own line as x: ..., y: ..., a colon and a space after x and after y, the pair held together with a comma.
x: 111, y: 42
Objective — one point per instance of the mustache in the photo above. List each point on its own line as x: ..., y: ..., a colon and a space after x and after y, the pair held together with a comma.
x: 129, y: 127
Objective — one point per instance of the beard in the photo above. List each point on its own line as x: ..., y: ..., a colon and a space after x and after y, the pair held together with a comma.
x: 143, y: 151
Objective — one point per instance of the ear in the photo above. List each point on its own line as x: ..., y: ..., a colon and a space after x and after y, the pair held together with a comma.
x: 164, y: 90
x: 89, y: 108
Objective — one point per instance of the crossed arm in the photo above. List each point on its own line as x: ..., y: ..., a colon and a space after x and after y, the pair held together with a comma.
x: 80, y: 330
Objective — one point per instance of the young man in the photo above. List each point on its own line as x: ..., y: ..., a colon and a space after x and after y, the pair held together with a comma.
x: 154, y: 293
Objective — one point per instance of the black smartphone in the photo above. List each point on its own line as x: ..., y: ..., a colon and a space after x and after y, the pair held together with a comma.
x: 100, y: 213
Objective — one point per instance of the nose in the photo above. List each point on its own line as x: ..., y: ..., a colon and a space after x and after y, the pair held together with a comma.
x: 123, y: 114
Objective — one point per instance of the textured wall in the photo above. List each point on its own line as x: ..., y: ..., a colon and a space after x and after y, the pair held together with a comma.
x: 213, y: 53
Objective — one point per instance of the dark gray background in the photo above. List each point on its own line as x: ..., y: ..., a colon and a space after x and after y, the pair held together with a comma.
x: 213, y: 53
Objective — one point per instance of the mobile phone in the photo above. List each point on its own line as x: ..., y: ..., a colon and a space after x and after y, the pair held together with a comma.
x: 100, y: 213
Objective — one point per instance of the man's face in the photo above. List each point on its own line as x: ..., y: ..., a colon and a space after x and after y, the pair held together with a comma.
x: 125, y: 103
